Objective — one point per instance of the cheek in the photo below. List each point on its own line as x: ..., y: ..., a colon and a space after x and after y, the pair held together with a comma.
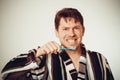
x: 81, y: 33
x: 62, y: 35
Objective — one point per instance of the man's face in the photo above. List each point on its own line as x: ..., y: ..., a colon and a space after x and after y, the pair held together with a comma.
x: 70, y: 32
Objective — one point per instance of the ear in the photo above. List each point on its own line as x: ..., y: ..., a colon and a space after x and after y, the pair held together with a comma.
x: 83, y: 31
x: 56, y: 32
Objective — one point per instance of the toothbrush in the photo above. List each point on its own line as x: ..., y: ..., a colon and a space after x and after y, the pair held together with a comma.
x: 72, y: 48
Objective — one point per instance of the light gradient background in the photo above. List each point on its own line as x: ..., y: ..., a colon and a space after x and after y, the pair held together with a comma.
x: 26, y: 24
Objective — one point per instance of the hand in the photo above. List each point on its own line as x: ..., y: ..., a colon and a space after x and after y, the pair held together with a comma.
x: 49, y: 48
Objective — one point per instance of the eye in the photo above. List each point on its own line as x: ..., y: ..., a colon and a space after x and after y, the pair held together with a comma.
x: 77, y: 27
x: 65, y: 29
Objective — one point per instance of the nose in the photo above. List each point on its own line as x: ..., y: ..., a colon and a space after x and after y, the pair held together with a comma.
x: 72, y: 32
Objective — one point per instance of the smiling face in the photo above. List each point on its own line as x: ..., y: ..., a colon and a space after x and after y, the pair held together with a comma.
x: 70, y: 32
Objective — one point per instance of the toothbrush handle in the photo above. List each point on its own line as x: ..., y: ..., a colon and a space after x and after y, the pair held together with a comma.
x: 64, y: 49
x: 67, y: 49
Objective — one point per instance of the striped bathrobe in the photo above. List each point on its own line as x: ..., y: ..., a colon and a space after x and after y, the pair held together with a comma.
x: 92, y: 66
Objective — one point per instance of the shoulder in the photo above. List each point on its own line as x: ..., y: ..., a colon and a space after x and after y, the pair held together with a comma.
x: 95, y: 54
x: 97, y: 59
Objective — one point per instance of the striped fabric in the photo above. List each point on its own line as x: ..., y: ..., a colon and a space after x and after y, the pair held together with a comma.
x: 93, y: 66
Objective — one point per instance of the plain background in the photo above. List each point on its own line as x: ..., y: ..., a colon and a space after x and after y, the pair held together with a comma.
x: 26, y: 24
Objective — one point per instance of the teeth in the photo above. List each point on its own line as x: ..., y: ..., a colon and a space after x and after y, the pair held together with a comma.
x: 71, y: 42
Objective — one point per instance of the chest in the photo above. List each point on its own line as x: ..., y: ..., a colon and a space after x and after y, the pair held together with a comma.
x: 76, y: 63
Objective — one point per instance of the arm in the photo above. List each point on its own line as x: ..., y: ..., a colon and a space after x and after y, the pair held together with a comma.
x: 32, y: 63
x: 20, y: 65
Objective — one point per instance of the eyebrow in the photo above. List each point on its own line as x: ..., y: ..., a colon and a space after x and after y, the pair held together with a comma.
x: 64, y: 27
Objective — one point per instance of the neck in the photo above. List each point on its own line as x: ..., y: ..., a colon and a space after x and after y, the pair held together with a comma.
x: 75, y: 53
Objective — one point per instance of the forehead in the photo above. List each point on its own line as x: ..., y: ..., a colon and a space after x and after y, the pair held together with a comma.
x: 69, y: 20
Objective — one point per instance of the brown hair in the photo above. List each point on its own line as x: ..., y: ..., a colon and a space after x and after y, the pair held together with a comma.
x: 68, y: 12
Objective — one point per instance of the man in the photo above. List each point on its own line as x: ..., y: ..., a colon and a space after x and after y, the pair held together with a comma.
x: 68, y: 61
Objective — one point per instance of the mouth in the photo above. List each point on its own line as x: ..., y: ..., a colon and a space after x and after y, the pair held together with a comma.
x: 71, y: 41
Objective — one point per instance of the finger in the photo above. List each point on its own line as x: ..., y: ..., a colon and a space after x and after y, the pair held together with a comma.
x: 47, y: 49
x: 51, y: 47
x: 40, y: 52
x: 54, y: 47
x: 57, y: 45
